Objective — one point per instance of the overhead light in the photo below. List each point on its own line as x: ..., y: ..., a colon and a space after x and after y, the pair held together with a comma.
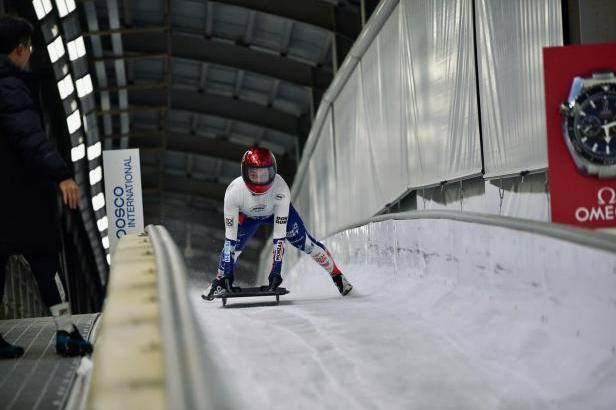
x: 78, y: 152
x: 55, y: 49
x: 96, y: 175
x: 94, y: 151
x: 105, y: 242
x: 98, y: 201
x: 74, y: 122
x: 84, y: 86
x: 65, y: 7
x: 102, y: 223
x: 65, y: 86
x: 108, y: 259
x: 42, y: 8
x: 76, y: 48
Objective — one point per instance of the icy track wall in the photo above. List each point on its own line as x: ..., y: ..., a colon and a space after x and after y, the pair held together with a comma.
x: 518, y: 299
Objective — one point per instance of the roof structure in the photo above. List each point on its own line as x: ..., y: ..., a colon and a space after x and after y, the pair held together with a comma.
x: 194, y: 84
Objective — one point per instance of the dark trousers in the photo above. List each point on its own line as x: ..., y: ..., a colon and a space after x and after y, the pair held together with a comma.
x: 46, y: 268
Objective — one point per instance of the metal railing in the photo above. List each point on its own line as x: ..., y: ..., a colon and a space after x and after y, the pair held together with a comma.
x: 580, y: 236
x: 585, y: 237
x: 22, y: 298
x: 188, y: 384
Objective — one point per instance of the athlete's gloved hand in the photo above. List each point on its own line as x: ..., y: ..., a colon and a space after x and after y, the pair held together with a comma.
x: 217, y: 287
x: 274, y: 280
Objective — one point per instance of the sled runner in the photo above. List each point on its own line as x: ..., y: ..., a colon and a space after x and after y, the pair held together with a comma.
x: 251, y: 292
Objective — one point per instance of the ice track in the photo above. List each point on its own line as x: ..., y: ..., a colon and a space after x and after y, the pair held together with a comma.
x: 402, y: 346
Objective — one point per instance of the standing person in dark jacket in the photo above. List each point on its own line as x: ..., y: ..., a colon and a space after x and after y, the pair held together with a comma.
x: 30, y: 170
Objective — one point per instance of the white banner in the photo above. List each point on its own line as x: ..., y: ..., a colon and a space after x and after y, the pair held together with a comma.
x: 510, y: 39
x: 123, y: 193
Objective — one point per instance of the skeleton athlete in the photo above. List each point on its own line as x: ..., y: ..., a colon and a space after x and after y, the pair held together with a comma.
x: 261, y: 196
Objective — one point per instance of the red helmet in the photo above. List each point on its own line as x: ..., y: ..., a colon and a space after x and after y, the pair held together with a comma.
x: 258, y: 169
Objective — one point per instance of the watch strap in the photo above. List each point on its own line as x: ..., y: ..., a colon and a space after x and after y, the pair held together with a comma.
x: 599, y: 77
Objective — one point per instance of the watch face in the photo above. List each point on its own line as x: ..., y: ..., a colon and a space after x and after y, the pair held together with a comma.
x: 591, y: 124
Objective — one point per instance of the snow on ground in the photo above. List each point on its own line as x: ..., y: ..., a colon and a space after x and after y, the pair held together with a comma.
x: 398, y: 342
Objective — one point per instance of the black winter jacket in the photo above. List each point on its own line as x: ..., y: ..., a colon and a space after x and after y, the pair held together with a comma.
x: 30, y: 168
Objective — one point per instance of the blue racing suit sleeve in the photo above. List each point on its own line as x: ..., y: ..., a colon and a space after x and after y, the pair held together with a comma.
x: 227, y: 259
x: 281, y: 217
x: 278, y: 253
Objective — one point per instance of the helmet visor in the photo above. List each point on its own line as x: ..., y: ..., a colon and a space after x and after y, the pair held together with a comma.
x: 261, y: 176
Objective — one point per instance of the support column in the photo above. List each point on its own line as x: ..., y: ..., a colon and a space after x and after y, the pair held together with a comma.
x: 589, y: 21
x: 367, y: 8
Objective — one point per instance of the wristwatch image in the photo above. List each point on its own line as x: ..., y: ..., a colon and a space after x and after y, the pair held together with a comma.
x: 589, y: 125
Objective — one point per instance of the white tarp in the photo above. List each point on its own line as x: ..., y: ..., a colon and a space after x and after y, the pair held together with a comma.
x: 352, y: 161
x: 510, y: 38
x: 384, y: 146
x: 439, y: 103
x: 467, y: 195
x: 321, y: 184
x: 518, y: 197
x: 407, y: 115
x: 526, y: 198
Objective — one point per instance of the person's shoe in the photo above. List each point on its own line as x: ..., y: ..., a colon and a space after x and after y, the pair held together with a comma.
x: 71, y: 343
x: 9, y: 351
x: 217, y: 287
x: 343, y: 285
x: 274, y: 281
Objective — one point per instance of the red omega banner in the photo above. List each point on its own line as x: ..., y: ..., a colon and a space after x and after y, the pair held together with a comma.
x: 580, y: 98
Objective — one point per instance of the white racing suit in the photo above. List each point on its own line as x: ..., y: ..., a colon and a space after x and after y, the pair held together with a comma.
x: 245, y: 211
